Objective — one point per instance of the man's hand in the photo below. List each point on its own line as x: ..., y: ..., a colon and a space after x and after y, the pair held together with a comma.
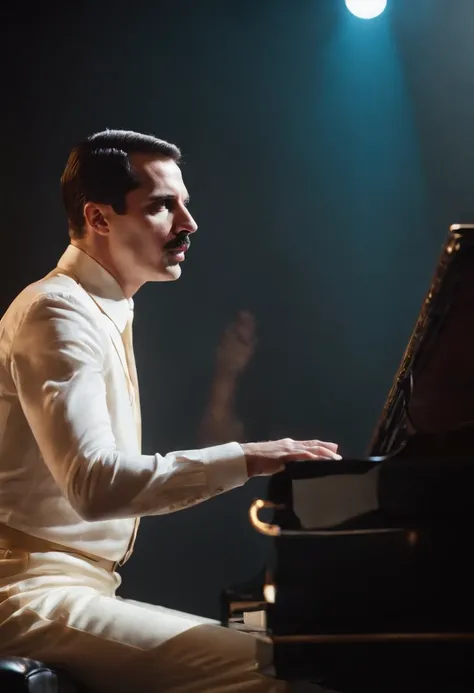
x: 269, y: 458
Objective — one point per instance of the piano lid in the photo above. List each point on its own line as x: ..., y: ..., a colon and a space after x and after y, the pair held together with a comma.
x: 433, y: 390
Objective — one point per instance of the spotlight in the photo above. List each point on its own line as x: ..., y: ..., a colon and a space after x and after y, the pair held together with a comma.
x: 366, y: 9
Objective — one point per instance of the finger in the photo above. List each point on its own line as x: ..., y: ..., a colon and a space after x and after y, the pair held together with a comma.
x: 299, y: 455
x: 317, y: 453
x: 324, y: 453
x: 323, y: 443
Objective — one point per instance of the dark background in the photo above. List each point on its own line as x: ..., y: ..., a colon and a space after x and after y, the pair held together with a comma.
x: 325, y: 156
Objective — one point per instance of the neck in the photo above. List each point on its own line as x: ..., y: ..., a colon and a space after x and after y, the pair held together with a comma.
x: 100, y: 253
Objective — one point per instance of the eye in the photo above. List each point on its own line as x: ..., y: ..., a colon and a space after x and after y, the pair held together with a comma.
x: 157, y: 206
x: 160, y: 205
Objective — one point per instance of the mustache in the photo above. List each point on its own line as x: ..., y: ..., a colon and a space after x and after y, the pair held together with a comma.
x: 180, y: 240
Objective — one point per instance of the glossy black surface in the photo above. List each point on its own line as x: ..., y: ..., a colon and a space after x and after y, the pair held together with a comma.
x: 380, y: 549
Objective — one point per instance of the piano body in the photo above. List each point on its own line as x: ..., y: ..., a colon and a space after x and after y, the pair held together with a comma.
x: 370, y: 584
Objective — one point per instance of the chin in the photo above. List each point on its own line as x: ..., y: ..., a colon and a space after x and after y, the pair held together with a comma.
x: 169, y: 274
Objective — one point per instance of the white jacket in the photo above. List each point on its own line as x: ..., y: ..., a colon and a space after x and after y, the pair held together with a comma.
x: 71, y: 470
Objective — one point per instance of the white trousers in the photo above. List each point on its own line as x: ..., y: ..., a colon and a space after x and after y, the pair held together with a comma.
x: 63, y: 610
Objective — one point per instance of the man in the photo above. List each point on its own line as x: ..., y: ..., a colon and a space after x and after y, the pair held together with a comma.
x: 73, y: 481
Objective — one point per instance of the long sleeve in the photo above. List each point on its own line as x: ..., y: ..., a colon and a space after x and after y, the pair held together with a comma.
x: 57, y: 363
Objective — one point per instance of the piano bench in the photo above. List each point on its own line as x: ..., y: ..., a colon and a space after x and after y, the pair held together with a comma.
x: 22, y: 675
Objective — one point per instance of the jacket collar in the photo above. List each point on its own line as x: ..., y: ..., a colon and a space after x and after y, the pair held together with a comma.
x: 99, y: 283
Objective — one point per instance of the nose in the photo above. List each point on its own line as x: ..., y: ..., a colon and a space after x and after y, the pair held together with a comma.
x: 185, y: 221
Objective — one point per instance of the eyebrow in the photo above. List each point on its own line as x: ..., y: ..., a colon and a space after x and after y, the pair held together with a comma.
x: 165, y: 197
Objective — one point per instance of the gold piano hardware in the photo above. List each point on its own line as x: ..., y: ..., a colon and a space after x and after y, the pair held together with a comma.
x: 275, y: 531
x: 372, y: 637
x: 264, y: 527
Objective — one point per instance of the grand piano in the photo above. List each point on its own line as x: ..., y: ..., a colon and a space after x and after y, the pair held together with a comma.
x: 369, y: 587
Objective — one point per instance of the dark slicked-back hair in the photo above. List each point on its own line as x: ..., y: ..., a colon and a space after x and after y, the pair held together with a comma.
x: 99, y: 170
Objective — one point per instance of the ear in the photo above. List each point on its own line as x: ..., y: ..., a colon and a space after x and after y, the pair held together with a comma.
x: 96, y: 217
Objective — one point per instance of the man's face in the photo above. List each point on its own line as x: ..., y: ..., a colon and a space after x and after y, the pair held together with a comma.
x: 149, y: 242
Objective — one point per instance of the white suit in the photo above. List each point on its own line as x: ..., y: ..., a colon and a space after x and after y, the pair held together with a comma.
x: 72, y: 474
